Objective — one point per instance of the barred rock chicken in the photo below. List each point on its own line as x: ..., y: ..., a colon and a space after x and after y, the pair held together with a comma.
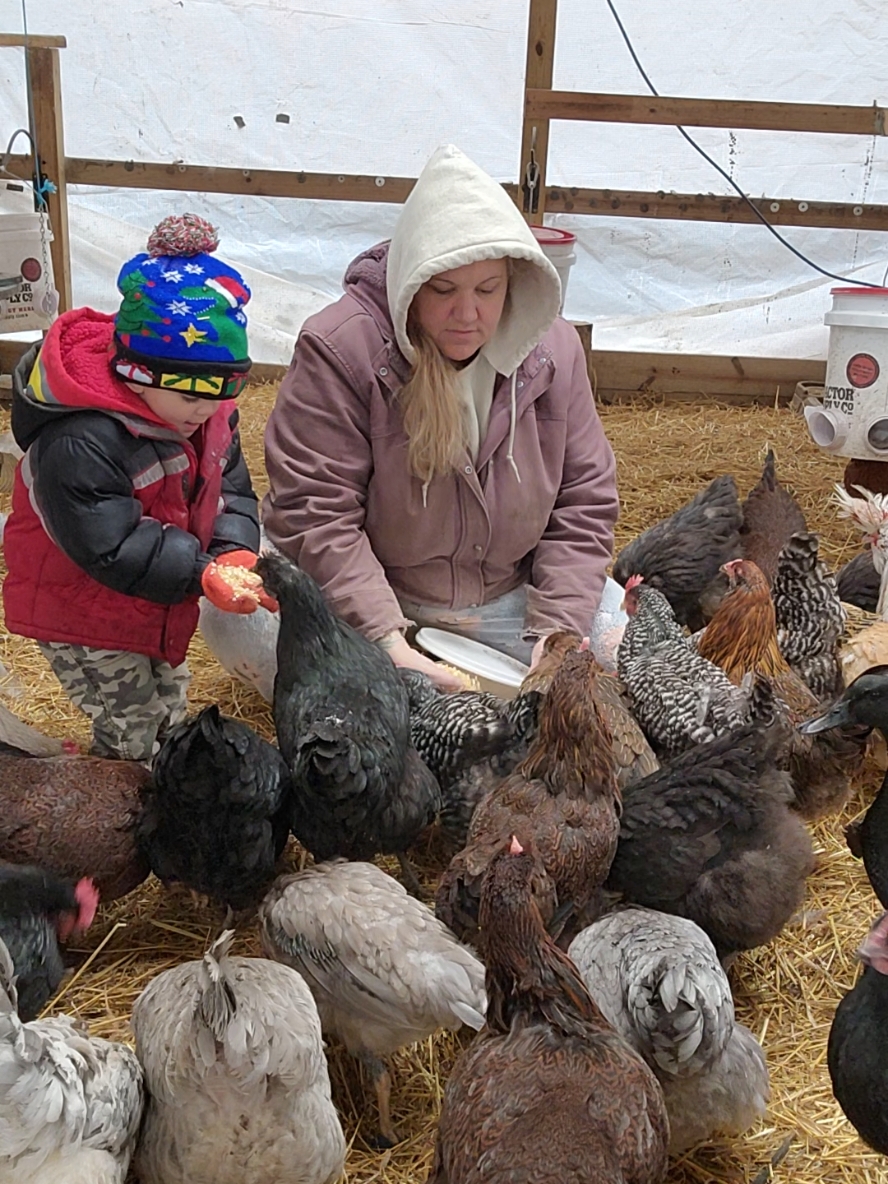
x: 658, y: 980
x: 562, y: 800
x: 742, y: 639
x: 547, y: 1092
x: 343, y: 724
x: 70, y: 1104
x: 809, y: 615
x: 678, y: 697
x: 239, y: 1091
x: 771, y: 516
x: 470, y: 740
x: 383, y: 970
x: 217, y: 810
x: 37, y: 910
x: 711, y: 837
x: 75, y: 816
x: 681, y: 555
x: 857, y: 1052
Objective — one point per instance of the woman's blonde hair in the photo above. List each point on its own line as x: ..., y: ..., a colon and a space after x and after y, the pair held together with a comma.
x: 434, y: 417
x: 434, y: 413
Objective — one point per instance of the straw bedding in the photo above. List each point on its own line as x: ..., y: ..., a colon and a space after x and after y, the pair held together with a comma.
x: 786, y: 993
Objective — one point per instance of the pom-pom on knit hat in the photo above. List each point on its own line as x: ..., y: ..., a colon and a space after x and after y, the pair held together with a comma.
x: 181, y: 324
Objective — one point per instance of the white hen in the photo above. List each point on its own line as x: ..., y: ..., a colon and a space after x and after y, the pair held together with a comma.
x: 384, y: 971
x: 70, y: 1104
x: 658, y: 980
x: 239, y: 1091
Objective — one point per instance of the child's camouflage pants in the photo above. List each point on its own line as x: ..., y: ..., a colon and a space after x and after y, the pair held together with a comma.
x: 130, y: 699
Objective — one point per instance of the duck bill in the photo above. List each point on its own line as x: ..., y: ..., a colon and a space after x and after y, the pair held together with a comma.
x: 838, y: 716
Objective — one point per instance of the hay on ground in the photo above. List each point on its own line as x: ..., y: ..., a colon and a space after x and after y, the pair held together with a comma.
x: 786, y: 992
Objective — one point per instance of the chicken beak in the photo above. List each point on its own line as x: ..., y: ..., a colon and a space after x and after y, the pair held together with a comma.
x: 838, y: 716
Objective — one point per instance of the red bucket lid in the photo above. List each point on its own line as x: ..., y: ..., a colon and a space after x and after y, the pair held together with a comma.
x: 855, y: 291
x: 551, y: 236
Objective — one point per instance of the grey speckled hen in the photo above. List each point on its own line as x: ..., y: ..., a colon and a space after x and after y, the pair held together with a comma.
x: 658, y: 980
x: 238, y: 1082
x: 70, y: 1104
x: 384, y: 971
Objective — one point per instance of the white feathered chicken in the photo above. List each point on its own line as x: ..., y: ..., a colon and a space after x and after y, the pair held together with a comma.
x: 384, y: 971
x: 658, y: 980
x: 239, y: 1091
x: 869, y: 513
x: 70, y: 1104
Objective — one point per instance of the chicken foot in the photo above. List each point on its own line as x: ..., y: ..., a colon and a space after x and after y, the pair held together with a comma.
x: 411, y: 880
x: 382, y: 1083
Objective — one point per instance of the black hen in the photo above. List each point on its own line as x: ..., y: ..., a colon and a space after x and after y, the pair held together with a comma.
x: 858, y: 582
x: 681, y: 555
x: 37, y: 908
x: 470, y: 740
x: 216, y: 812
x: 710, y: 836
x: 343, y: 724
x: 858, y: 1044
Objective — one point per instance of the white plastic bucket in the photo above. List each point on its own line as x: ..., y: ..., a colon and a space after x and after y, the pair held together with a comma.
x: 853, y: 417
x: 30, y: 301
x: 558, y: 247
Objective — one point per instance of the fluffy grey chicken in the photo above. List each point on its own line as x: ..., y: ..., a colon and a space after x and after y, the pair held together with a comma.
x: 681, y: 555
x: 239, y: 1091
x: 343, y: 723
x: 658, y: 980
x: 678, y: 697
x: 384, y: 971
x: 470, y: 740
x: 810, y: 617
x: 70, y: 1104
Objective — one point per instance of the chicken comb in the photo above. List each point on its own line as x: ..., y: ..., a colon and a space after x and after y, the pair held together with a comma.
x: 87, y: 896
x: 869, y: 512
x: 633, y: 582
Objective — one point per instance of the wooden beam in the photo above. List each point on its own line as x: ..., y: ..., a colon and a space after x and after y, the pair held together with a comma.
x: 135, y: 174
x: 47, y: 128
x: 621, y: 377
x: 545, y: 104
x: 541, y: 28
x: 713, y: 207
x: 38, y: 41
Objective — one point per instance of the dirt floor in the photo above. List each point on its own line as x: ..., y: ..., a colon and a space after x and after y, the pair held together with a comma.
x: 786, y: 993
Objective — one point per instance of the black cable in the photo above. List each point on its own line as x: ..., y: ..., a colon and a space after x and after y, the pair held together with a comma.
x: 761, y: 217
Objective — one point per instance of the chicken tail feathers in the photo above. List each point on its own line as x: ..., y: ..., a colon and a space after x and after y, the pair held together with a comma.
x: 217, y: 1003
x: 8, y: 993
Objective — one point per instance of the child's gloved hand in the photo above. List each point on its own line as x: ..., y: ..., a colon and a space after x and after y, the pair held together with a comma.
x: 230, y: 583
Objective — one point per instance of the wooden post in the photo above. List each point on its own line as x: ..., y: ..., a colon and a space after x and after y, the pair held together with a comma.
x: 47, y: 128
x: 535, y: 133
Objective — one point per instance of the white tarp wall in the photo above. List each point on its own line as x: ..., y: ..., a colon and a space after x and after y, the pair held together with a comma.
x: 373, y: 86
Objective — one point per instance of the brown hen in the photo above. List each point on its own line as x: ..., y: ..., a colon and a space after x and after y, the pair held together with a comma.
x: 562, y: 800
x: 771, y: 516
x: 547, y: 1091
x: 742, y: 639
x: 555, y: 648
x: 75, y: 816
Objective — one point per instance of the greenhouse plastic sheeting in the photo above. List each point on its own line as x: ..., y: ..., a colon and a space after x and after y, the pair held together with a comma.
x: 373, y: 88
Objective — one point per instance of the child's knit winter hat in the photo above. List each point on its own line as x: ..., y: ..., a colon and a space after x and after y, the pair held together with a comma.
x: 181, y: 324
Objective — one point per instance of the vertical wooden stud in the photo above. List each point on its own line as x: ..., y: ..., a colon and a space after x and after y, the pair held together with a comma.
x: 47, y: 126
x: 538, y: 75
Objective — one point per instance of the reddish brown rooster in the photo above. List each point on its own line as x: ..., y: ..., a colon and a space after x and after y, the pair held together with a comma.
x: 562, y: 800
x: 742, y: 639
x: 547, y: 1091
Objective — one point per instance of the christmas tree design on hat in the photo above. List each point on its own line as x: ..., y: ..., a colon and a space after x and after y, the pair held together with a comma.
x: 181, y: 324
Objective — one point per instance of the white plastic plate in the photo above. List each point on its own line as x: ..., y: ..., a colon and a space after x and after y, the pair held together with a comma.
x: 472, y: 656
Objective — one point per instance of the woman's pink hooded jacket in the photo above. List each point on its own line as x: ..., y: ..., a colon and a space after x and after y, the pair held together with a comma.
x: 538, y: 503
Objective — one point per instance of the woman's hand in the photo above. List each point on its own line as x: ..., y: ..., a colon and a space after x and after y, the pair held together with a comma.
x: 403, y: 654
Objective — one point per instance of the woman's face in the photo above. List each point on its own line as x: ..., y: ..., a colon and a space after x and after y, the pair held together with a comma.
x: 460, y: 309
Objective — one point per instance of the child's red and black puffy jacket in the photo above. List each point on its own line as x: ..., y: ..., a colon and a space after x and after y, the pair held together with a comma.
x: 115, y: 515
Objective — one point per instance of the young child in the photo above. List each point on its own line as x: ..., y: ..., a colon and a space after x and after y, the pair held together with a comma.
x: 133, y: 491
